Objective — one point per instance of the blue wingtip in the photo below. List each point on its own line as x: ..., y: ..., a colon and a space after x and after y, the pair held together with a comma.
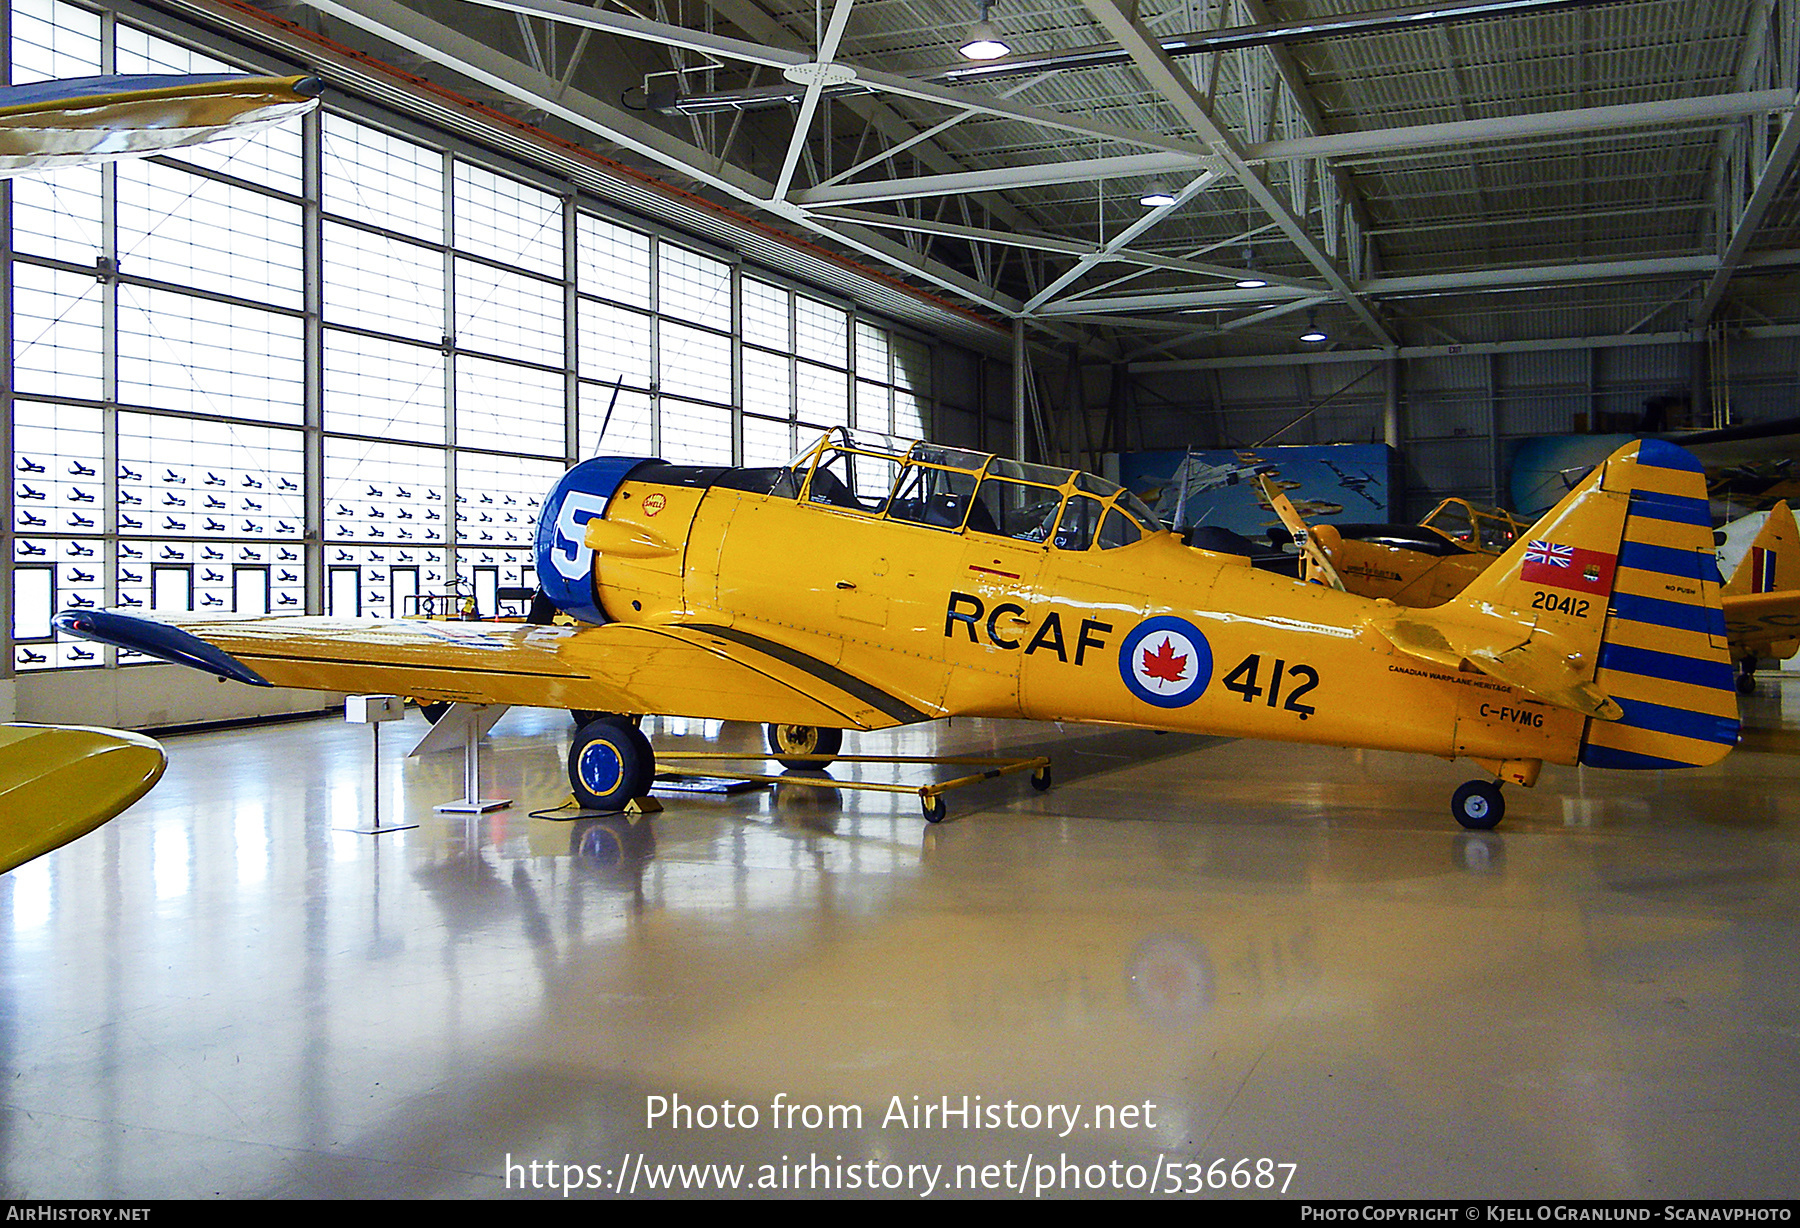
x: 155, y: 639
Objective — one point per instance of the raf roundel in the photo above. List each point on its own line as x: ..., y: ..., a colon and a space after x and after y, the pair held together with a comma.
x: 1166, y: 661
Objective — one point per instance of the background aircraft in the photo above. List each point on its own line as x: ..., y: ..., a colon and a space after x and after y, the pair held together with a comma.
x: 1762, y: 598
x: 936, y: 582
x: 1418, y: 565
x: 85, y: 119
x: 61, y: 782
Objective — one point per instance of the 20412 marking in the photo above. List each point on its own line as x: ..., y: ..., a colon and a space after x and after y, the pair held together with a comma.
x: 1578, y: 606
x: 1243, y: 680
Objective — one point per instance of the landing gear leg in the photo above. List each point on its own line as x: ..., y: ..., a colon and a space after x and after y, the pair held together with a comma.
x: 1478, y: 805
x: 610, y: 763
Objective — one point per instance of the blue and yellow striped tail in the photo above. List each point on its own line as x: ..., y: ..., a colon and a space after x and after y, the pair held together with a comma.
x: 1663, y: 652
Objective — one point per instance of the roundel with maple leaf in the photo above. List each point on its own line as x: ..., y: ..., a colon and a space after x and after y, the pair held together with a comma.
x: 1166, y: 661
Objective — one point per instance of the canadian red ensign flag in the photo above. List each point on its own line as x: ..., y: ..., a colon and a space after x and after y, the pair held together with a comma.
x: 1570, y: 567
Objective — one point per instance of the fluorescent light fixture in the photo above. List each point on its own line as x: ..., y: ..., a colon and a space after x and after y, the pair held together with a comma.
x: 1313, y: 334
x: 1251, y: 283
x: 1156, y: 196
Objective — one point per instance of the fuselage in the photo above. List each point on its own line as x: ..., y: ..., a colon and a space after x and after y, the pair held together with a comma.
x: 954, y: 620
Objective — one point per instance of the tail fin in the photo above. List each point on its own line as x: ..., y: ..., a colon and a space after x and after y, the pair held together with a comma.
x: 1622, y: 576
x: 1772, y: 564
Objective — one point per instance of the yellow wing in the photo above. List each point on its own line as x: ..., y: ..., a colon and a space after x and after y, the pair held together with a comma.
x: 57, y: 783
x: 698, y: 670
x: 1763, y: 624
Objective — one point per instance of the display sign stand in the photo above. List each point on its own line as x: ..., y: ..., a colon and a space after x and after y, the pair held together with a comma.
x: 465, y: 724
x: 375, y: 711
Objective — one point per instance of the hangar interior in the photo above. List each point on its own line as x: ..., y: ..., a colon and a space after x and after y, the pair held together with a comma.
x: 333, y: 370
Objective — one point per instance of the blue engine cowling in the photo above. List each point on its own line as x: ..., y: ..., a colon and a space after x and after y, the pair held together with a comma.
x: 565, y: 567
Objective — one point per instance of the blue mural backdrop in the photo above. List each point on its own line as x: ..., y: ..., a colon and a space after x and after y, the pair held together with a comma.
x: 1544, y: 468
x: 1352, y: 483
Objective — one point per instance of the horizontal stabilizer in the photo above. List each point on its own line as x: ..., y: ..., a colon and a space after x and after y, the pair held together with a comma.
x: 1541, y: 665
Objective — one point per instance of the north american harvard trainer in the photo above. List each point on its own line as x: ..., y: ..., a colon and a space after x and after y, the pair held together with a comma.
x: 862, y: 587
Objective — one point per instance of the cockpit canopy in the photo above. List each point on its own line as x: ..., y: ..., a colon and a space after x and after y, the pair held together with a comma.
x: 1478, y: 527
x: 953, y: 489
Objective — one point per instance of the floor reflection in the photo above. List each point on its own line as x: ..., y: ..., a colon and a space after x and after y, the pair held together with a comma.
x: 1291, y: 952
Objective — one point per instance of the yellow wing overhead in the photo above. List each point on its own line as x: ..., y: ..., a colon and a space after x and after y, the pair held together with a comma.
x: 64, y: 123
x: 699, y: 670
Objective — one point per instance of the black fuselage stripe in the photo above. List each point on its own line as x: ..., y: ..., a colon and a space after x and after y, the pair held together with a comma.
x: 895, y: 708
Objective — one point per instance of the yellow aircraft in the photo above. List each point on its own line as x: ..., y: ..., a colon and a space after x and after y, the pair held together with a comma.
x: 85, y: 119
x: 1762, y: 598
x: 863, y: 587
x: 1411, y: 565
x: 60, y: 782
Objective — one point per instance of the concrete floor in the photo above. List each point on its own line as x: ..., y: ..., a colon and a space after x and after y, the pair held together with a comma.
x: 1243, y: 952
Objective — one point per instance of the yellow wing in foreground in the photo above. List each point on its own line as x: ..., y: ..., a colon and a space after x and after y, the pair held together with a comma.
x: 697, y: 670
x: 57, y: 783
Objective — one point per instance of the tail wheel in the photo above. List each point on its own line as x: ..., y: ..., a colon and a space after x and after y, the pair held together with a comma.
x: 787, y: 740
x: 1746, y: 681
x: 1478, y: 805
x: 609, y: 764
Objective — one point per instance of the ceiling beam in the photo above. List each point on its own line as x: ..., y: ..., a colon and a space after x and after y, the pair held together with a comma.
x: 1472, y: 281
x: 1171, y: 83
x: 1076, y: 170
x: 1676, y: 111
x: 1701, y: 109
x: 774, y: 57
x: 411, y: 30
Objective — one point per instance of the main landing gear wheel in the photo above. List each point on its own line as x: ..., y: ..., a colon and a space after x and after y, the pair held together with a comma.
x: 434, y: 711
x: 609, y: 764
x: 804, y: 740
x: 935, y: 809
x: 1040, y: 779
x: 1478, y: 805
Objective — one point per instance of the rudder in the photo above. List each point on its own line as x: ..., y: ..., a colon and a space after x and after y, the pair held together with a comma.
x: 1663, y: 651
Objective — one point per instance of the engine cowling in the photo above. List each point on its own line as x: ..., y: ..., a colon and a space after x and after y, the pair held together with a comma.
x: 565, y: 564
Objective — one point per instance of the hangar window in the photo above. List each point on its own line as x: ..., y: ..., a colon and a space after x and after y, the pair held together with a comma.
x: 442, y: 365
